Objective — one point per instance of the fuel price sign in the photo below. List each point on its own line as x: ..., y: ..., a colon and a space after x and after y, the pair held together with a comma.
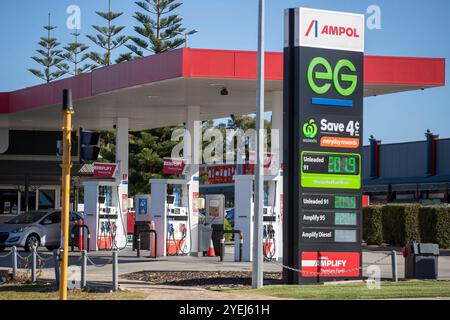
x: 330, y: 170
x: 323, y: 126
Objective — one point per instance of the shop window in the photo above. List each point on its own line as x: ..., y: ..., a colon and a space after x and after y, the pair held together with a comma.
x: 46, y: 199
x: 8, y: 201
x: 31, y: 201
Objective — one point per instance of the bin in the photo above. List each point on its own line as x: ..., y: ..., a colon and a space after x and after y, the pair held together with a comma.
x: 205, y: 237
x: 217, y: 235
x: 421, y: 261
x: 142, y: 226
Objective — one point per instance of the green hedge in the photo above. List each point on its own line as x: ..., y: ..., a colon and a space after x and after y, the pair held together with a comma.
x: 397, y: 224
x: 400, y: 223
x: 373, y: 225
x: 434, y: 225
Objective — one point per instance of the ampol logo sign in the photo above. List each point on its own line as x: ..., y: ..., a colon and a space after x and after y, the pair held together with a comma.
x: 330, y: 264
x: 331, y: 30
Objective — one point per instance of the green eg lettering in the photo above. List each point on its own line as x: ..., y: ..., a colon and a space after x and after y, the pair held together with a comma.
x: 332, y: 75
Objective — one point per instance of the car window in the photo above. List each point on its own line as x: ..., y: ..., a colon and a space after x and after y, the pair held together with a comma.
x: 55, y: 217
x: 28, y: 217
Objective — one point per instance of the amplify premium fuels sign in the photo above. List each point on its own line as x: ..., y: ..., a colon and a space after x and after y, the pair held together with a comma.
x: 323, y: 108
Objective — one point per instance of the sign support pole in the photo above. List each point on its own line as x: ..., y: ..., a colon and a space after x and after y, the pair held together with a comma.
x: 67, y: 146
x: 257, y: 275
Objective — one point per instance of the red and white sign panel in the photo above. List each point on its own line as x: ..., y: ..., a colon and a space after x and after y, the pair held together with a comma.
x: 268, y: 156
x: 269, y: 168
x: 330, y: 264
x: 221, y: 174
x: 174, y: 166
x: 105, y: 170
x: 331, y: 30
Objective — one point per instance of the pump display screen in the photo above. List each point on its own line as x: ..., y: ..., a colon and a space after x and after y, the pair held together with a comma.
x: 330, y: 170
x: 330, y: 163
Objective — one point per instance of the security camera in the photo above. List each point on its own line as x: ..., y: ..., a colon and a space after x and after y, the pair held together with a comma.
x: 224, y: 92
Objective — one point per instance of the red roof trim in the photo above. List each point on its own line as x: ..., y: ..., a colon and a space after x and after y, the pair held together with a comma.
x: 378, y: 69
x: 205, y: 63
x: 141, y: 71
x: 404, y: 71
x: 4, y: 102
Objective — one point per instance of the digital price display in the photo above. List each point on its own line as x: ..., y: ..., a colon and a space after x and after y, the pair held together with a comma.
x: 330, y: 163
x: 345, y: 202
x: 328, y: 235
x: 330, y: 170
x: 345, y: 218
x: 329, y: 218
x: 330, y: 201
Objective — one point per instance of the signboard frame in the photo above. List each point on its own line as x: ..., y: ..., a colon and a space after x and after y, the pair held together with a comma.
x: 323, y: 109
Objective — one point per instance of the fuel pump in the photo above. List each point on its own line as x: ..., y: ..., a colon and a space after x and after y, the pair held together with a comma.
x: 142, y: 220
x: 103, y: 215
x: 272, y: 215
x: 170, y: 210
x: 214, y: 222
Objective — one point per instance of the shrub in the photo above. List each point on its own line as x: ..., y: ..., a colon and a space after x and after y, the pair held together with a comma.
x: 400, y: 223
x: 372, y: 225
x: 434, y: 225
x: 227, y: 226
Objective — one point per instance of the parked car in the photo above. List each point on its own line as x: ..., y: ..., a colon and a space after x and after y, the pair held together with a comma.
x: 34, y: 229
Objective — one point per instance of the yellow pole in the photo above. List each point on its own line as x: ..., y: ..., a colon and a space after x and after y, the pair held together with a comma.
x: 67, y: 146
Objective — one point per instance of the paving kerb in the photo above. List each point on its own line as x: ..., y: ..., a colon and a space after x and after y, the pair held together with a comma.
x: 129, y: 263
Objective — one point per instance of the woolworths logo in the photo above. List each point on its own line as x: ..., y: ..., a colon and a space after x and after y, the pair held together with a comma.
x: 310, y: 129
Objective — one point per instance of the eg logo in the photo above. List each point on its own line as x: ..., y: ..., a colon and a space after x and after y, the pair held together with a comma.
x: 332, y: 76
x: 310, y: 129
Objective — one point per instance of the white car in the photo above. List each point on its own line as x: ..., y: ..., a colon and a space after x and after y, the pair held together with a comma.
x: 34, y: 229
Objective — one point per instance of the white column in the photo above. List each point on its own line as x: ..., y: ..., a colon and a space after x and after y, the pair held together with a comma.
x: 122, y: 153
x: 158, y: 214
x: 4, y: 133
x: 243, y: 215
x: 192, y: 155
x: 91, y: 213
x: 277, y: 123
x: 4, y: 140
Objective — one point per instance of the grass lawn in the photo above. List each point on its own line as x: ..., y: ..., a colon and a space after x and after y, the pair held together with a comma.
x: 46, y: 292
x: 402, y: 289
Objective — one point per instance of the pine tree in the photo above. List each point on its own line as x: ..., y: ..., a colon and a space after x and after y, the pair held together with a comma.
x: 158, y: 29
x: 108, y: 38
x: 49, y: 58
x: 75, y: 54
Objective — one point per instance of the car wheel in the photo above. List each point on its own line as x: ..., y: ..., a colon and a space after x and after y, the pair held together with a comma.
x: 32, y: 241
x: 2, y: 249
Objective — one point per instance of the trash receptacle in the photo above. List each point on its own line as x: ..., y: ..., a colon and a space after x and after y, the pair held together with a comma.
x: 421, y: 261
x: 144, y: 227
x: 217, y: 235
x: 205, y: 237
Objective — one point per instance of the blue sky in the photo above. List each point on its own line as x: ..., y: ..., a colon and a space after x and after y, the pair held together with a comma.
x: 409, y: 28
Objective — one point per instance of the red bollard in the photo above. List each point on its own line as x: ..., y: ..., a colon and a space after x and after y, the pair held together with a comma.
x: 80, y: 235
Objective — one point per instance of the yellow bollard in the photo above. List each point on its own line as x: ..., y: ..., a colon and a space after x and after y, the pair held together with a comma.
x: 67, y: 146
